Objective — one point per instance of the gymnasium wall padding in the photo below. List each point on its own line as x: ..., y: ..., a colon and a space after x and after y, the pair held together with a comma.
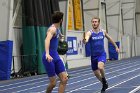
x: 113, y: 55
x: 87, y: 49
x: 6, y: 48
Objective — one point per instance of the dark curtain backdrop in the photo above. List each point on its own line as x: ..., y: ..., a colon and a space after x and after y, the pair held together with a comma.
x: 36, y: 20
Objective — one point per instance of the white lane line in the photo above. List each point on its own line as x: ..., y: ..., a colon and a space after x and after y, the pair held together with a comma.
x: 111, y: 64
x: 94, y: 77
x: 123, y: 81
x: 99, y: 82
x: 135, y: 90
x: 115, y: 88
x: 41, y: 81
x: 126, y: 87
x: 23, y: 82
x: 74, y: 78
x: 36, y: 79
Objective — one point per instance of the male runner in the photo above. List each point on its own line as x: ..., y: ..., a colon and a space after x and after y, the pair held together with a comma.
x: 51, y: 60
x: 95, y: 37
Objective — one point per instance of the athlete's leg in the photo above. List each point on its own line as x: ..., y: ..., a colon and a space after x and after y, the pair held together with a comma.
x: 101, y: 64
x: 103, y: 79
x: 51, y: 85
x: 63, y: 58
x: 94, y: 66
x: 98, y: 75
x: 50, y: 69
x: 98, y: 69
x: 62, y: 74
x: 63, y: 81
x: 101, y: 69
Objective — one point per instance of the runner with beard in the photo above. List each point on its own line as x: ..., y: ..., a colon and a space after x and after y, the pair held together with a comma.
x: 51, y: 60
x: 96, y: 37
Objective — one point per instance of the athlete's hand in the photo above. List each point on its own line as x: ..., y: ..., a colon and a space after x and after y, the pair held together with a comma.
x: 49, y: 58
x: 84, y: 41
x: 117, y: 50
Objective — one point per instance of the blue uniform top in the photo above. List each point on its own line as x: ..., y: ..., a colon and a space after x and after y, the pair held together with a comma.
x: 56, y: 66
x: 54, y: 45
x: 54, y: 41
x: 97, y: 43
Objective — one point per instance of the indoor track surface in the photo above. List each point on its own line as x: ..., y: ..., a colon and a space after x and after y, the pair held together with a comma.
x: 123, y: 76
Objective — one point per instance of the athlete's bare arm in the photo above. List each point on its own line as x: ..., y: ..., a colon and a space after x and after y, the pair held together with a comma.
x: 111, y: 40
x: 61, y: 35
x: 86, y: 36
x: 50, y: 33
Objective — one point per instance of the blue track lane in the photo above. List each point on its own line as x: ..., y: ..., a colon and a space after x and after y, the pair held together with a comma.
x: 122, y: 76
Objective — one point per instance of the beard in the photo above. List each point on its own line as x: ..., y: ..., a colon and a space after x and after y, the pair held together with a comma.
x: 61, y: 24
x: 95, y: 27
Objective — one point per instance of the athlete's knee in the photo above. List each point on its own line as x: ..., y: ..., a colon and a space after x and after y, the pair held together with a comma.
x: 64, y: 80
x: 101, y: 67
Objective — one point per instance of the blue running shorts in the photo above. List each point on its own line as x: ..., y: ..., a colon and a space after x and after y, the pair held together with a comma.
x: 53, y: 68
x: 96, y: 59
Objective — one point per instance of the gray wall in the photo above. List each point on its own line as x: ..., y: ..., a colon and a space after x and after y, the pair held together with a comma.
x: 4, y: 19
x: 121, y: 25
x: 138, y: 16
x: 138, y: 26
x: 10, y: 27
x: 90, y: 9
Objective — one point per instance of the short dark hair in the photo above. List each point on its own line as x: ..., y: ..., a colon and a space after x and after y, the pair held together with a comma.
x: 57, y: 16
x: 95, y: 17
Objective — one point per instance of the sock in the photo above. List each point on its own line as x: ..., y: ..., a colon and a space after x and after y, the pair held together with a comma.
x: 105, y: 84
x: 104, y: 80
